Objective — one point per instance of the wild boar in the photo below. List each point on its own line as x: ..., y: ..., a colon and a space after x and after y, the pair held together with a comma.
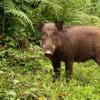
x: 69, y: 44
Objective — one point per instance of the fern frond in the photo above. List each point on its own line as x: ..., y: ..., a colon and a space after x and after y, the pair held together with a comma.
x: 1, y: 4
x: 83, y: 18
x: 11, y: 9
x: 56, y: 8
x: 49, y: 3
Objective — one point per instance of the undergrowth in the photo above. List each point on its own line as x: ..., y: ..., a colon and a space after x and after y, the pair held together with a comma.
x: 27, y: 75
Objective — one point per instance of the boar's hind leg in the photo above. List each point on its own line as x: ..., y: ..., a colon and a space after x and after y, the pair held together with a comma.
x: 56, y: 67
x: 68, y: 70
x: 98, y: 59
x: 98, y: 56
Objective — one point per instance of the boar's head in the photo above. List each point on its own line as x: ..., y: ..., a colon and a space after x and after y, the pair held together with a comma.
x: 51, y: 36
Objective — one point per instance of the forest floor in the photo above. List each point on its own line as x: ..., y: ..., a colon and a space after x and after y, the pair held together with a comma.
x: 27, y: 75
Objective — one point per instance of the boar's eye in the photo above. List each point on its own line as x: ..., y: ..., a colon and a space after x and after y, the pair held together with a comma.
x: 44, y: 36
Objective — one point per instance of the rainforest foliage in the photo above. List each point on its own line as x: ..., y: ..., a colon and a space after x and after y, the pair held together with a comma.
x: 25, y: 73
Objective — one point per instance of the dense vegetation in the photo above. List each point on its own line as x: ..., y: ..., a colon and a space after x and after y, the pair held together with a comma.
x: 25, y: 74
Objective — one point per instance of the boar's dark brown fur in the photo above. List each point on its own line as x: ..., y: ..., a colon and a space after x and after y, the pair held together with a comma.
x: 69, y: 44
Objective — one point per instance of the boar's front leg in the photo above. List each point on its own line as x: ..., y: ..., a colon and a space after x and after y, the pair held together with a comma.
x: 68, y: 70
x: 56, y: 67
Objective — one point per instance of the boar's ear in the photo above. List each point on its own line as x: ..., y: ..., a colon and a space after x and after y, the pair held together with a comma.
x: 39, y: 26
x: 59, y: 25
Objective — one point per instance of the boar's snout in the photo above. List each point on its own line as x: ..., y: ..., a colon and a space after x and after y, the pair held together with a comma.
x: 48, y: 53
